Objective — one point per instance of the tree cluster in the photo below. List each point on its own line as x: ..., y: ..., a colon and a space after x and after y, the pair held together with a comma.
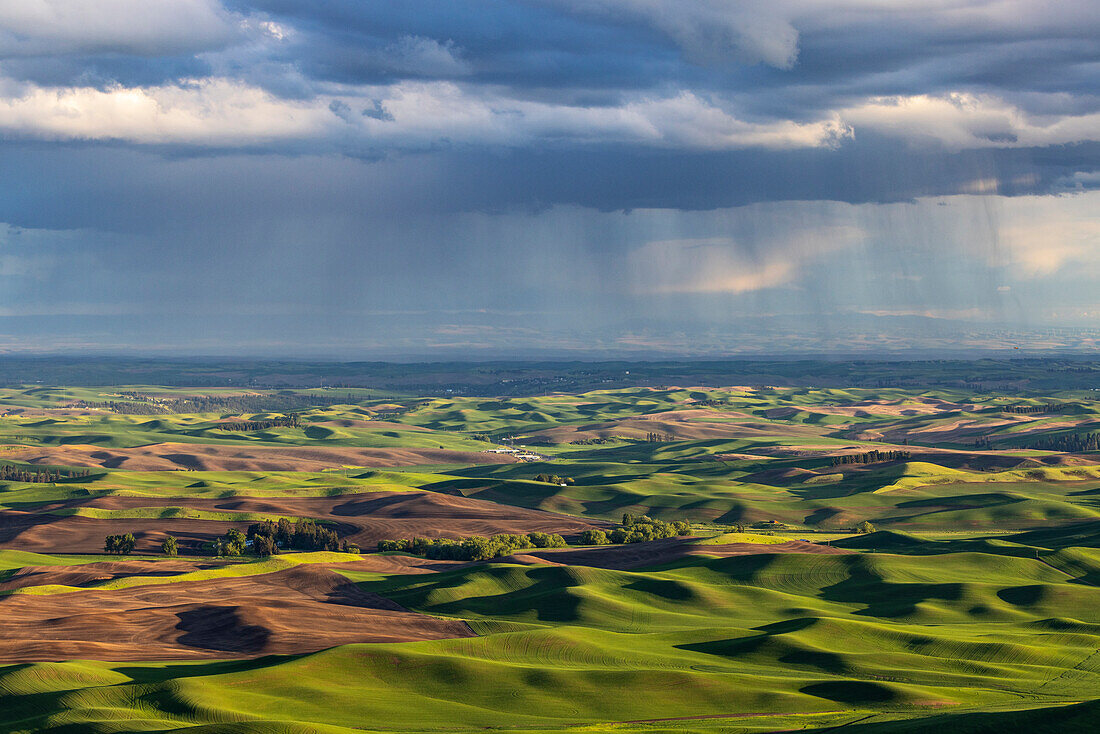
x: 593, y: 441
x: 864, y: 528
x: 291, y: 421
x: 233, y: 543
x: 594, y: 537
x: 871, y: 457
x: 474, y: 548
x: 659, y: 437
x: 269, y: 536
x: 9, y: 473
x: 553, y: 479
x: 642, y: 528
x: 121, y: 544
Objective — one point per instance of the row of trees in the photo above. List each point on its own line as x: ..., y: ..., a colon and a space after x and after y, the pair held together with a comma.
x: 473, y: 548
x: 871, y: 457
x: 267, y: 537
x: 1068, y: 442
x: 291, y: 421
x: 593, y: 441
x: 659, y: 437
x: 9, y: 473
x: 262, y: 539
x: 1030, y: 409
x: 635, y: 528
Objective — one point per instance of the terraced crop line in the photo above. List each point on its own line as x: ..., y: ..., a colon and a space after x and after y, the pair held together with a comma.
x: 1080, y: 666
x: 1039, y: 558
x: 849, y: 723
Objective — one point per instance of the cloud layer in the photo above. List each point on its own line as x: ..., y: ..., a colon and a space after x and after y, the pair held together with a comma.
x: 707, y: 74
x: 642, y: 172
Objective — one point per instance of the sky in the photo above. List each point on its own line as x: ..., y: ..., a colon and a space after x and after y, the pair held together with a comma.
x: 398, y: 179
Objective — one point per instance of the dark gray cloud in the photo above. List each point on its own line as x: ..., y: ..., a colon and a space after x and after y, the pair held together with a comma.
x: 785, y: 59
x: 121, y: 189
x: 771, y: 56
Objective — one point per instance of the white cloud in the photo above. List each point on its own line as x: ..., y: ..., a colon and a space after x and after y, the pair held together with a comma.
x: 409, y: 114
x: 431, y: 111
x: 142, y: 27
x: 689, y: 120
x: 207, y: 112
x: 275, y: 30
x: 962, y: 120
x: 226, y: 112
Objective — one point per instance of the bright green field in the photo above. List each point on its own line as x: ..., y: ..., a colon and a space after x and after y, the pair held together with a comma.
x: 810, y: 641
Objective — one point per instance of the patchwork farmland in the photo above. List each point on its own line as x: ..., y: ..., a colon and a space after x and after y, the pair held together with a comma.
x: 672, y: 559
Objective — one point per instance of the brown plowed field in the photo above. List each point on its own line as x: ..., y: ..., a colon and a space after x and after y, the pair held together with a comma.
x: 360, y: 518
x: 637, y: 555
x: 298, y: 610
x: 212, y: 457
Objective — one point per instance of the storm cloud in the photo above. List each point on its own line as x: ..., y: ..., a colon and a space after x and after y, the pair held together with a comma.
x: 550, y: 176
